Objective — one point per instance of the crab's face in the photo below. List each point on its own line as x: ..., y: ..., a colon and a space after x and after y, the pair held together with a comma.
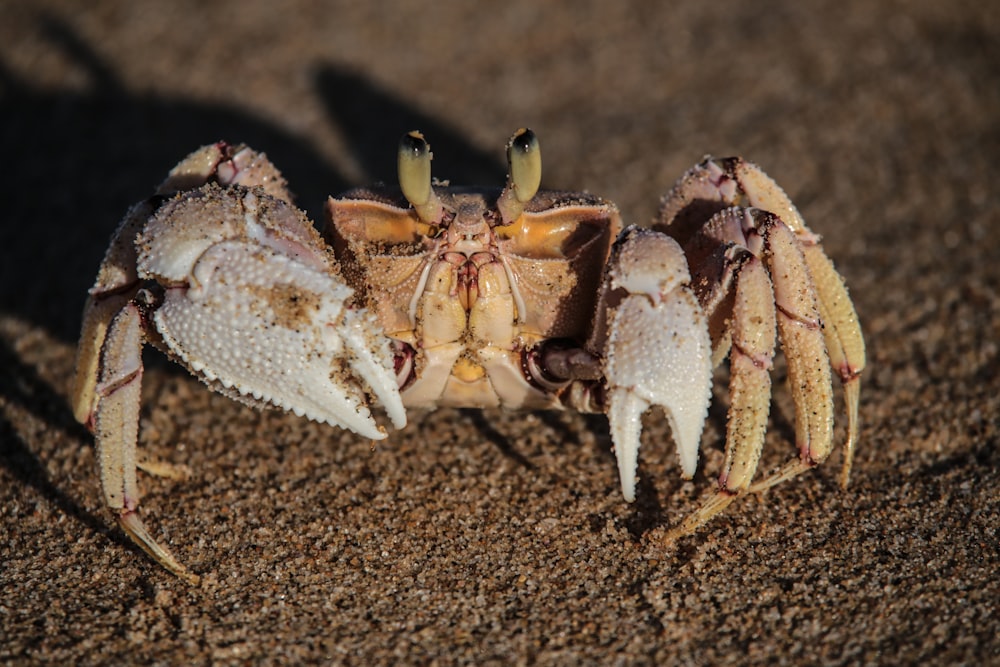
x: 470, y: 288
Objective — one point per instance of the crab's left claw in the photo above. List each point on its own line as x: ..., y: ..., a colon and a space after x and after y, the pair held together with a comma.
x: 657, y: 349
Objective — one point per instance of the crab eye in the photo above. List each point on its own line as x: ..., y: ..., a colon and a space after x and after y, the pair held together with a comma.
x: 525, y: 159
x: 524, y: 165
x: 414, y: 167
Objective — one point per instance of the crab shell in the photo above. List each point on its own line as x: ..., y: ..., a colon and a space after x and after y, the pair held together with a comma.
x: 466, y: 297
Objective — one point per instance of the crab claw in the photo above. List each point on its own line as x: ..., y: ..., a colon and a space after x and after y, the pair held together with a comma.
x: 657, y: 349
x: 256, y: 308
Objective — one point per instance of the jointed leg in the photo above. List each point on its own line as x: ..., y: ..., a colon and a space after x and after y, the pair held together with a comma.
x: 117, y: 282
x: 844, y: 341
x: 116, y: 430
x: 841, y: 329
x: 752, y: 341
x: 715, y: 184
x: 731, y: 252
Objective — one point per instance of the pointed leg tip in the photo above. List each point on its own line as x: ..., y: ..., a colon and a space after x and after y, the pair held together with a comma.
x: 709, y: 508
x: 790, y: 470
x: 670, y: 538
x: 852, y: 391
x: 678, y: 532
x: 182, y: 572
x: 189, y: 577
x: 131, y: 523
x: 845, y: 474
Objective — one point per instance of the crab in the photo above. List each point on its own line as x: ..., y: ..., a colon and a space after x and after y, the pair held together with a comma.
x: 426, y: 295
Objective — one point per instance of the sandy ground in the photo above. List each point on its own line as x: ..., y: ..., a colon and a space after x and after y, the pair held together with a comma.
x: 502, y: 538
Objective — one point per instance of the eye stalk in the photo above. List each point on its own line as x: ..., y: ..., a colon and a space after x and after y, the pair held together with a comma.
x: 524, y: 174
x: 414, y: 167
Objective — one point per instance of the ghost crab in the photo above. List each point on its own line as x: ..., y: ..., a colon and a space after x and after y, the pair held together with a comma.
x: 426, y: 295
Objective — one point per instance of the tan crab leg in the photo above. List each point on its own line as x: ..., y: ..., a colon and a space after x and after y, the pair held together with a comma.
x: 116, y: 284
x: 752, y: 351
x: 844, y: 341
x: 750, y: 372
x: 797, y: 314
x: 657, y: 350
x: 800, y: 331
x: 756, y: 305
x: 724, y: 182
x: 841, y: 328
x: 97, y: 315
x: 116, y: 429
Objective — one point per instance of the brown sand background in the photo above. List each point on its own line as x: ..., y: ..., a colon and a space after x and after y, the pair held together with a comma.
x: 490, y: 537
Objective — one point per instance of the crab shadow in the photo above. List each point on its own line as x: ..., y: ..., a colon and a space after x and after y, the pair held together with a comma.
x: 77, y: 158
x: 21, y: 385
x: 374, y: 119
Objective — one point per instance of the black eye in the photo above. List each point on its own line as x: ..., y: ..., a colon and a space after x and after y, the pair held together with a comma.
x: 524, y: 141
x: 413, y: 145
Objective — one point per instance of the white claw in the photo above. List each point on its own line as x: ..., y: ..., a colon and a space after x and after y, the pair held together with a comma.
x: 625, y: 410
x: 369, y: 361
x: 658, y: 352
x: 257, y: 309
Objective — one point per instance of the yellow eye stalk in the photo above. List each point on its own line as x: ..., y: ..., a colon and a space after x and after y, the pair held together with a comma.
x: 524, y: 174
x: 414, y: 167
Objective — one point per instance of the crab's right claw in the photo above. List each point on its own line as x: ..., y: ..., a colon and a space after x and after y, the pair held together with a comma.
x: 657, y: 349
x: 263, y: 315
